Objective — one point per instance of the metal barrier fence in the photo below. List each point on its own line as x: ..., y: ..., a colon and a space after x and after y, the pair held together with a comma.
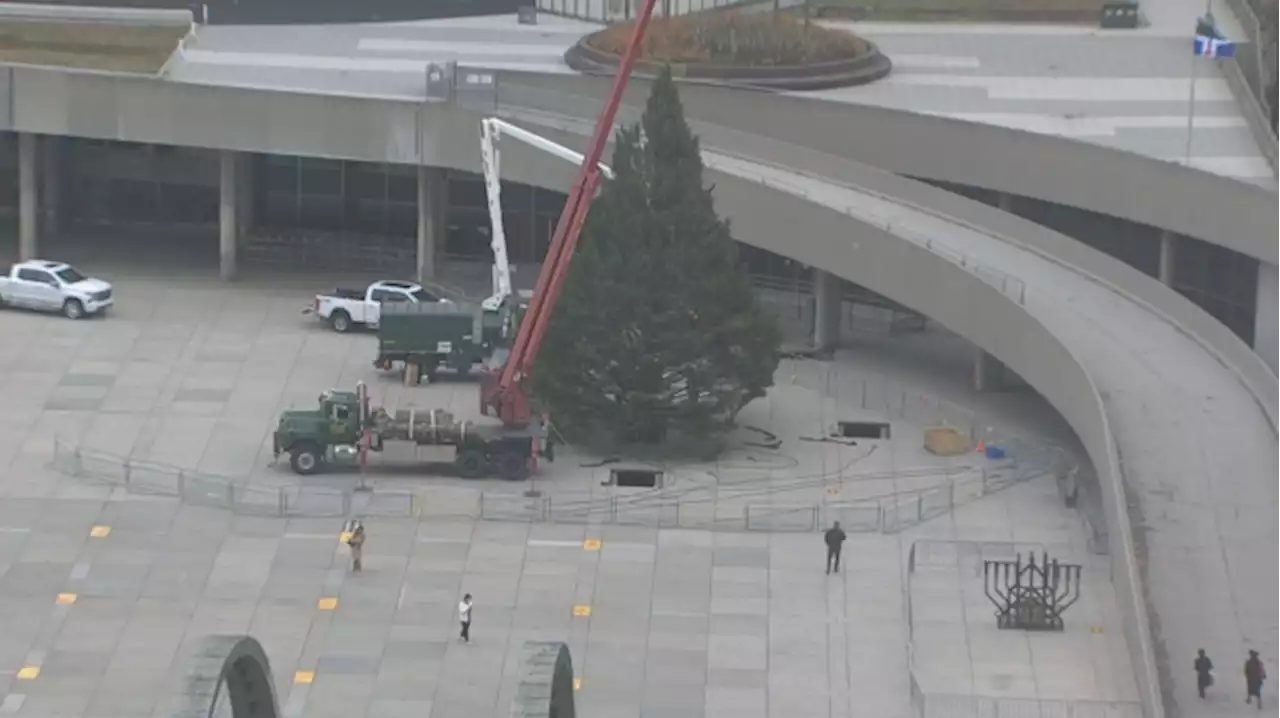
x: 237, y: 495
x: 925, y: 704
x: 941, y: 705
x: 708, y: 508
x: 608, y: 11
x: 704, y: 510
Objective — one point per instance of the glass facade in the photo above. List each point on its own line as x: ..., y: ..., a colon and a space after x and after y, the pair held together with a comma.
x: 375, y: 205
x: 1222, y: 281
x: 380, y: 200
x: 8, y: 171
x: 104, y: 181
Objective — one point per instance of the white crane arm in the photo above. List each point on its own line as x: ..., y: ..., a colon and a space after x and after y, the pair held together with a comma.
x: 491, y: 130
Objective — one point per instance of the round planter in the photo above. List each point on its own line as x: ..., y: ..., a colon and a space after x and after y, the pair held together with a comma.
x: 868, y: 67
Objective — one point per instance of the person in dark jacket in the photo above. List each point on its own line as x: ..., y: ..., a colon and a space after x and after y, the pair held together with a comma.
x: 1204, y: 671
x: 835, y: 540
x: 1254, y: 674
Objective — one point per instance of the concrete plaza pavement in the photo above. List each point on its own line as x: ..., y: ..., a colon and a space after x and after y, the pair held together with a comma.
x: 661, y: 623
x: 104, y: 592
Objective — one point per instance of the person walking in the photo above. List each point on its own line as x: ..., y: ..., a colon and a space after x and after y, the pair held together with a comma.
x: 356, y: 542
x: 835, y: 540
x: 1204, y: 671
x: 464, y: 617
x: 1254, y: 674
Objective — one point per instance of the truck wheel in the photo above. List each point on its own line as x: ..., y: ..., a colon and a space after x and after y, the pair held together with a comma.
x: 513, y: 467
x: 470, y: 464
x: 340, y: 321
x: 72, y: 309
x: 305, y: 459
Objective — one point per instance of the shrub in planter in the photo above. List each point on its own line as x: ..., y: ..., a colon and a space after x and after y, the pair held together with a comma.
x: 733, y: 38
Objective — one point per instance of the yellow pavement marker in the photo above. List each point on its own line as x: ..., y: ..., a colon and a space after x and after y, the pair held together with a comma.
x: 582, y: 611
x: 304, y: 678
x: 328, y: 603
x: 591, y: 545
x: 1095, y: 629
x: 28, y: 673
x: 100, y: 531
x: 577, y: 684
x: 65, y: 599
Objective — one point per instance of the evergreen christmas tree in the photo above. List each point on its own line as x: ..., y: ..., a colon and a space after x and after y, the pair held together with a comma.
x: 657, y: 333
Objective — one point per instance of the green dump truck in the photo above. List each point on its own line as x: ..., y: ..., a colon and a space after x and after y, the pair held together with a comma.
x: 427, y: 337
x: 343, y: 424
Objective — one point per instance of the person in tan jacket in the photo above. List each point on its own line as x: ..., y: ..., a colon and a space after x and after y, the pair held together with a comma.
x: 356, y: 542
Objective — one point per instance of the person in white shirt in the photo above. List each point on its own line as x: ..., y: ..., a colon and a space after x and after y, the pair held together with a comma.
x: 464, y: 617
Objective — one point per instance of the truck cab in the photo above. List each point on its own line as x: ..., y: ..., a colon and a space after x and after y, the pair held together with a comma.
x: 308, y: 435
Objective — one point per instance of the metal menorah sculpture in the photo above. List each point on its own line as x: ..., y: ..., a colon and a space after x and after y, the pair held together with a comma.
x: 1031, y: 596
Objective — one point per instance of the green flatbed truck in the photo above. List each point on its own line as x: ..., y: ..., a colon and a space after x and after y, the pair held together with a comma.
x: 343, y: 423
x: 427, y: 337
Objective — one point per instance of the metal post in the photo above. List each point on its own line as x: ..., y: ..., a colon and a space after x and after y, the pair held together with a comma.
x: 1191, y: 102
x: 1191, y: 106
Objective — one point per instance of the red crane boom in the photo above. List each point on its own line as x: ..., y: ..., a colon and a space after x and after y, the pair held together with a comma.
x: 508, y: 396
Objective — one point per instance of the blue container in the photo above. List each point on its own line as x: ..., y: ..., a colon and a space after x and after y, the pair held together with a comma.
x: 995, y: 452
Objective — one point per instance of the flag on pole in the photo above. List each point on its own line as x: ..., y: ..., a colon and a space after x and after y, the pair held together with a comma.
x: 1206, y: 46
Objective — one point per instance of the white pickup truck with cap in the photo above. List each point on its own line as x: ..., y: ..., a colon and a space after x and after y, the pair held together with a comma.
x: 54, y: 287
x: 346, y: 308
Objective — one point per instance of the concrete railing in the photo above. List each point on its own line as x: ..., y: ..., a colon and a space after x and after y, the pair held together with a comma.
x: 78, y: 14
x: 1248, y: 74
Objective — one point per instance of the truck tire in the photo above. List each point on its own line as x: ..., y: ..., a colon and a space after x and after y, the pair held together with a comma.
x: 471, y: 464
x: 340, y: 321
x: 513, y: 467
x: 305, y: 459
x: 72, y: 309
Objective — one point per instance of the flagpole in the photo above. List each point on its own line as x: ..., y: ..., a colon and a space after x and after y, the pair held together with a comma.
x: 1195, y: 71
x: 1191, y: 105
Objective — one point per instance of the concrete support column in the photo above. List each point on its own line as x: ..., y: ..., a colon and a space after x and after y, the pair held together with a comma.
x: 433, y: 200
x: 228, y: 219
x: 827, y: 303
x: 28, y: 194
x: 988, y: 372
x: 1267, y: 315
x: 51, y: 183
x: 245, y: 194
x: 1168, y: 256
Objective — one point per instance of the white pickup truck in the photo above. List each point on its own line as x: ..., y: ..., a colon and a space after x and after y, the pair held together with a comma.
x: 54, y: 287
x: 345, y: 308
